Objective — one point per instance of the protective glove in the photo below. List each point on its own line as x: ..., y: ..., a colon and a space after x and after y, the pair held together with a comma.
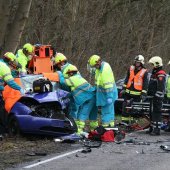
x: 122, y: 92
x: 159, y: 95
x: 22, y: 91
x: 109, y: 101
x: 143, y: 96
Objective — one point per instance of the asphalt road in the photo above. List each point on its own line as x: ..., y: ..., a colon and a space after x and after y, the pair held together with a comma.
x: 111, y: 156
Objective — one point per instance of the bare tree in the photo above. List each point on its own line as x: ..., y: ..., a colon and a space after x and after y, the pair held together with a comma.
x: 16, y: 28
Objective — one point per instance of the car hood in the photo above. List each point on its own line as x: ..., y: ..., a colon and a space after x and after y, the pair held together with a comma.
x: 48, y: 96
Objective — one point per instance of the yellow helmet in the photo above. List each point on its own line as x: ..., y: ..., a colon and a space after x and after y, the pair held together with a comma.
x: 71, y: 68
x: 10, y: 56
x: 59, y: 57
x: 93, y: 60
x: 156, y: 61
x: 29, y: 48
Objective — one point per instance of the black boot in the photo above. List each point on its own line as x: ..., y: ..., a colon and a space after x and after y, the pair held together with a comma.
x: 149, y: 130
x: 155, y: 132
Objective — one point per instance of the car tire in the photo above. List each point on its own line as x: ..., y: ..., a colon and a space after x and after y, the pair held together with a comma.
x: 13, y: 125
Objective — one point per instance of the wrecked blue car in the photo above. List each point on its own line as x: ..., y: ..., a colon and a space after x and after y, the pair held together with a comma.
x: 43, y: 113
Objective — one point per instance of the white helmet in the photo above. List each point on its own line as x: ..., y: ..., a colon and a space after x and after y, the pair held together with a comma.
x: 169, y: 63
x: 140, y: 59
x: 156, y: 61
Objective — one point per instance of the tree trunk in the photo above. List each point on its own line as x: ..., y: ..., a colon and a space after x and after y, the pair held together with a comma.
x: 15, y: 32
x: 4, y: 16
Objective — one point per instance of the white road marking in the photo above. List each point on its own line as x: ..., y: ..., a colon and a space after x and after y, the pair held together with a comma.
x: 51, y: 159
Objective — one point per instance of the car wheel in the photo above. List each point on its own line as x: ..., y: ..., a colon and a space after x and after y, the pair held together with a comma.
x: 14, y: 129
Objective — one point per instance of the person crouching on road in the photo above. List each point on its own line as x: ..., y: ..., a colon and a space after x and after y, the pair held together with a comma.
x: 156, y: 89
x: 106, y: 90
x: 84, y: 96
x: 135, y: 84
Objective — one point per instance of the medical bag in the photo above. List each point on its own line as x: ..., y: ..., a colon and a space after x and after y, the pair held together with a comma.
x: 42, y: 85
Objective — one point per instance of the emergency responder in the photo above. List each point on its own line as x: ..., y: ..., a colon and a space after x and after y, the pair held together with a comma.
x: 106, y: 90
x: 5, y: 77
x: 24, y: 55
x: 84, y: 95
x: 135, y: 84
x: 10, y: 59
x: 156, y: 89
x: 62, y: 64
x: 167, y: 129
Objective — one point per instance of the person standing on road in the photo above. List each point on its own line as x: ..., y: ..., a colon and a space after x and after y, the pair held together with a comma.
x: 135, y: 84
x: 156, y: 89
x: 106, y: 90
x: 167, y: 129
x: 84, y: 96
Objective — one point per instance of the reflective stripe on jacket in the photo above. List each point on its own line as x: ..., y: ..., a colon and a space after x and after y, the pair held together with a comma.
x: 23, y: 60
x: 168, y: 87
x: 136, y: 80
x: 105, y: 85
x: 80, y: 89
x: 5, y: 74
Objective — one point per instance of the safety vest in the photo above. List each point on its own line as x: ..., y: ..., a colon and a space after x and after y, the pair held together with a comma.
x: 23, y: 60
x: 5, y: 74
x: 80, y: 88
x: 65, y: 69
x: 104, y: 78
x: 168, y: 87
x: 76, y: 82
x: 137, y: 79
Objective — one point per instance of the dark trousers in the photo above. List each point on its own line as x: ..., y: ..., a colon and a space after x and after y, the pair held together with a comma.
x: 129, y: 98
x: 156, y: 113
x: 3, y: 117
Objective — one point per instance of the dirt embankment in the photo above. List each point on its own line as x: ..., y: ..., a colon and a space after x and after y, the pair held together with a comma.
x: 14, y: 151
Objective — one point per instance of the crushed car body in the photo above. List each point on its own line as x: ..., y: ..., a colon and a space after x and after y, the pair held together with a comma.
x: 41, y: 113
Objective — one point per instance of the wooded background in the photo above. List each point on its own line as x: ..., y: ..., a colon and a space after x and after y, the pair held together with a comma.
x: 117, y: 30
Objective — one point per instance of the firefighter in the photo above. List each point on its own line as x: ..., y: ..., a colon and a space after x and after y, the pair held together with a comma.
x: 156, y: 89
x: 135, y: 84
x: 10, y: 59
x: 24, y: 55
x: 5, y: 77
x: 84, y: 96
x: 106, y: 90
x: 62, y: 64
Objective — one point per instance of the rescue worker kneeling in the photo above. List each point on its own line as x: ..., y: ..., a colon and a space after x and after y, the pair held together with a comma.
x: 84, y: 96
x: 157, y: 90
